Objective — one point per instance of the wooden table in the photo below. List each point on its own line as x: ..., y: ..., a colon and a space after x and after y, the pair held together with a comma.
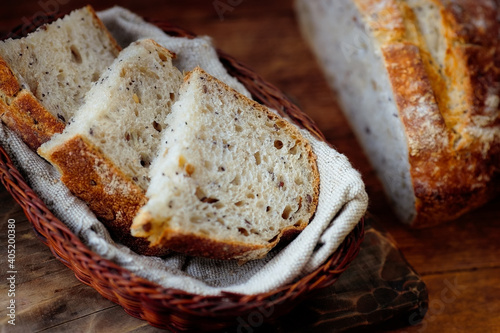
x: 459, y: 261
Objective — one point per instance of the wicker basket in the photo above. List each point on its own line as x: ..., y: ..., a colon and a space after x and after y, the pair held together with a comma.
x: 169, y: 308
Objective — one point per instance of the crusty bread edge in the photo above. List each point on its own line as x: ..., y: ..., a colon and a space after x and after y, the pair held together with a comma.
x: 8, y: 81
x: 202, y: 245
x: 30, y: 120
x: 443, y: 183
x: 23, y: 113
x: 75, y: 159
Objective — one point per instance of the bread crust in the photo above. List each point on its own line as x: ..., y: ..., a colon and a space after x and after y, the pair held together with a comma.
x: 111, y: 195
x: 191, y: 243
x: 453, y: 139
x: 23, y: 113
x: 30, y: 120
x: 8, y: 81
x: 201, y: 245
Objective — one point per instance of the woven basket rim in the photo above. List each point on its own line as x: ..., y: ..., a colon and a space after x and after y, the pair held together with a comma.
x: 170, y: 308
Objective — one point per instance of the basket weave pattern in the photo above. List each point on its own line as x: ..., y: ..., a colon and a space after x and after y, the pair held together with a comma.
x: 163, y: 307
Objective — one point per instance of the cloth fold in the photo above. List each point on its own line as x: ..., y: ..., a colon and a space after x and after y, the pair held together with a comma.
x: 342, y: 201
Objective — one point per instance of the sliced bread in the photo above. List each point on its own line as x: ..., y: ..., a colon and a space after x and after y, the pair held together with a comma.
x: 105, y: 153
x: 231, y: 179
x: 45, y: 76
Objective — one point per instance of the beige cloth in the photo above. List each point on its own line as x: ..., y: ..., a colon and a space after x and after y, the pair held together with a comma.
x: 342, y: 200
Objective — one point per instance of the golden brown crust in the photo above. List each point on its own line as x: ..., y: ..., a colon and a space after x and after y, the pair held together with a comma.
x: 163, y: 49
x: 451, y: 115
x: 112, y: 196
x: 472, y: 59
x: 194, y: 244
x: 30, y: 120
x: 8, y: 81
x: 447, y: 182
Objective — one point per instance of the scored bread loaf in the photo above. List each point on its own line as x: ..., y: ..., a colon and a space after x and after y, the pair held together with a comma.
x: 105, y: 153
x: 45, y: 75
x: 419, y: 82
x: 231, y: 178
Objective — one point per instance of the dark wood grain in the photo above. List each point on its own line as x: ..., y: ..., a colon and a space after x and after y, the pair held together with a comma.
x: 264, y: 35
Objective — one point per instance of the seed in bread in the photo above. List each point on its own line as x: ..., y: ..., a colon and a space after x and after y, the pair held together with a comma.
x: 231, y: 177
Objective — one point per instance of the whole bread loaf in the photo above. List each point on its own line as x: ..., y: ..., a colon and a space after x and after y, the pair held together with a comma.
x: 419, y: 82
x: 44, y: 77
x: 104, y: 155
x: 231, y: 178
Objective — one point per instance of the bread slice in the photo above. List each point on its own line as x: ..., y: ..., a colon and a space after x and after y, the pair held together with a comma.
x: 419, y: 83
x: 231, y: 179
x: 105, y: 153
x: 45, y: 76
